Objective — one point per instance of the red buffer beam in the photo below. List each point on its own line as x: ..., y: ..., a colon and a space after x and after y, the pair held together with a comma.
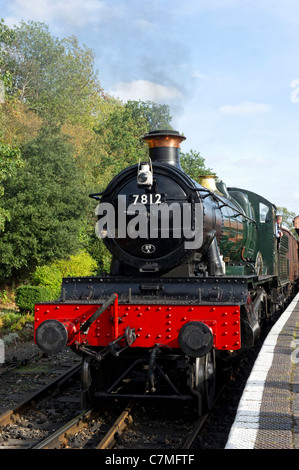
x: 152, y: 323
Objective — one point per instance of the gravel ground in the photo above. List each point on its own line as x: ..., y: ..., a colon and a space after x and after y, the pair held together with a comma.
x: 33, y: 370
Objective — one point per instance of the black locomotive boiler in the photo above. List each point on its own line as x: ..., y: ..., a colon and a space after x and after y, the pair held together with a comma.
x: 195, y: 270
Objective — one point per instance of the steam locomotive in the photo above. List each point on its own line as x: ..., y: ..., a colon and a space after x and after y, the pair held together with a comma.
x: 196, y: 269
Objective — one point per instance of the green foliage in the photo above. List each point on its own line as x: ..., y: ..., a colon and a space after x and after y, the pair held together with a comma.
x: 6, y: 34
x: 13, y: 321
x: 28, y: 296
x: 27, y: 318
x: 4, y: 297
x: 6, y: 38
x: 8, y: 318
x: 157, y: 115
x: 119, y: 134
x: 47, y: 202
x: 194, y: 165
x: 72, y: 139
x: 80, y: 264
x: 49, y: 277
x: 10, y: 160
x: 120, y: 141
x: 287, y: 219
x: 99, y: 253
x: 55, y: 77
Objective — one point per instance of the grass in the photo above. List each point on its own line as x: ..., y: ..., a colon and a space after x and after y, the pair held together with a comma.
x: 33, y: 368
x: 12, y: 320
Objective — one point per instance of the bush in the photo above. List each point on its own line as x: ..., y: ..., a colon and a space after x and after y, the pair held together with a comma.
x: 79, y: 265
x: 12, y: 321
x: 100, y: 253
x: 49, y: 277
x: 28, y: 296
x: 8, y: 318
x: 25, y: 319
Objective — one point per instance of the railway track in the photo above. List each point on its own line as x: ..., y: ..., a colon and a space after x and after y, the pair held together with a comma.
x: 95, y: 428
x: 115, y: 426
x: 14, y: 364
x: 35, y: 416
x: 63, y: 436
x: 28, y: 414
x: 58, y: 383
x: 134, y: 425
x: 60, y: 438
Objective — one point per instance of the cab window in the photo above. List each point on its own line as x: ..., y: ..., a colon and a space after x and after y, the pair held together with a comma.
x: 264, y: 211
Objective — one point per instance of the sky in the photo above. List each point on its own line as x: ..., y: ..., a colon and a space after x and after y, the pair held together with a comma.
x: 228, y: 70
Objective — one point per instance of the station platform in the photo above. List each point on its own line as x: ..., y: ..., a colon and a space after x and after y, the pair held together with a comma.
x: 268, y: 412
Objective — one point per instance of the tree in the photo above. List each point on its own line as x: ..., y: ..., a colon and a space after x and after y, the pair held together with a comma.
x: 10, y: 160
x: 6, y: 39
x: 47, y: 203
x: 120, y: 135
x: 194, y: 165
x: 287, y: 218
x: 54, y: 77
x: 119, y: 143
x: 73, y: 139
x: 157, y: 115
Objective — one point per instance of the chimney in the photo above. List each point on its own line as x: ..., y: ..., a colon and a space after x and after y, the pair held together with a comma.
x: 164, y: 147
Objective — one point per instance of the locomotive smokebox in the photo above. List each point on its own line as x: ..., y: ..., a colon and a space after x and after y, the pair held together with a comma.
x: 164, y: 147
x: 195, y: 339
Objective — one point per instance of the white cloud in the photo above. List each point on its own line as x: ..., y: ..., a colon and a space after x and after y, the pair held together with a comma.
x: 246, y: 108
x: 70, y: 13
x: 199, y: 75
x: 144, y: 25
x: 144, y: 90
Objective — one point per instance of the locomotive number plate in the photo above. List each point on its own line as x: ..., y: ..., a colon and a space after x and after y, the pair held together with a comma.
x: 147, y: 198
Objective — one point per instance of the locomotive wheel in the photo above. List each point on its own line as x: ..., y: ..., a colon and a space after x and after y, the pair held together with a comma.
x: 87, y: 383
x: 205, y: 380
